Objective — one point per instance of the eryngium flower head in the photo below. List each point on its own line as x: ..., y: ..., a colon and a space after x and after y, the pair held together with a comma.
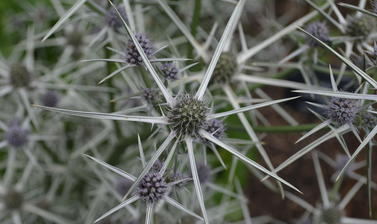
x: 331, y: 215
x: 132, y: 55
x: 170, y: 71
x: 225, y: 69
x: 341, y: 110
x: 152, y: 187
x: 320, y: 31
x: 358, y: 26
x: 152, y: 96
x: 19, y: 76
x: 12, y: 199
x: 365, y: 120
x: 50, y: 99
x: 187, y: 116
x: 214, y: 127
x: 112, y: 18
x: 16, y: 135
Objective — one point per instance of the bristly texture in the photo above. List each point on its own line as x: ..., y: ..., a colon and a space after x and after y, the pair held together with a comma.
x: 50, y: 99
x: 133, y: 56
x: 341, y: 110
x: 16, y: 136
x: 331, y: 215
x: 187, y: 116
x: 365, y: 120
x: 214, y: 127
x: 320, y: 31
x: 19, y: 76
x: 12, y: 199
x: 170, y: 71
x: 152, y: 96
x: 112, y: 18
x: 225, y: 69
x: 152, y: 187
x: 359, y: 26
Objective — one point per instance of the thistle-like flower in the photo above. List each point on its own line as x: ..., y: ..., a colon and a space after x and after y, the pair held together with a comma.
x: 320, y: 31
x: 225, y: 69
x: 50, y: 99
x: 152, y: 96
x: 215, y: 127
x: 358, y: 26
x: 132, y: 54
x: 365, y: 120
x: 16, y: 135
x: 152, y: 187
x: 341, y: 110
x: 188, y: 116
x: 170, y: 71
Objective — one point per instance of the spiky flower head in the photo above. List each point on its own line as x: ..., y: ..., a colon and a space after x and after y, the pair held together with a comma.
x: 331, y: 215
x: 50, y: 99
x: 204, y: 173
x: 187, y: 116
x: 170, y: 71
x: 12, y: 199
x: 19, y: 76
x: 112, y: 18
x: 225, y: 69
x: 341, y: 110
x: 132, y: 55
x: 214, y: 127
x: 16, y: 135
x: 152, y: 187
x: 358, y: 26
x: 365, y: 120
x: 152, y: 96
x: 320, y: 31
x: 123, y: 185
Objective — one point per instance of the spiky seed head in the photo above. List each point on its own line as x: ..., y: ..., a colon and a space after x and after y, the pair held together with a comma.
x: 365, y: 120
x: 132, y: 55
x: 152, y: 187
x: 341, y: 110
x: 50, y: 99
x: 112, y: 18
x: 170, y: 71
x: 20, y: 77
x: 320, y: 31
x: 123, y: 185
x: 16, y: 135
x: 225, y: 69
x: 13, y: 199
x: 358, y: 26
x: 152, y: 96
x: 187, y: 116
x: 331, y: 215
x: 214, y: 127
x: 204, y: 173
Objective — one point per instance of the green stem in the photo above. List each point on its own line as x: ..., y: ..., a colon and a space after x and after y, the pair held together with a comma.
x: 194, y: 25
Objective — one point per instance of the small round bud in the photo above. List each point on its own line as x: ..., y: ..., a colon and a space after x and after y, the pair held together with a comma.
x: 331, y: 215
x: 341, y: 110
x: 13, y: 200
x: 132, y: 54
x: 225, y: 69
x: 112, y: 17
x: 320, y: 31
x: 152, y: 187
x: 170, y: 71
x: 358, y: 26
x: 50, y: 99
x: 152, y: 96
x: 187, y: 116
x: 19, y: 76
x: 365, y: 120
x: 16, y: 136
